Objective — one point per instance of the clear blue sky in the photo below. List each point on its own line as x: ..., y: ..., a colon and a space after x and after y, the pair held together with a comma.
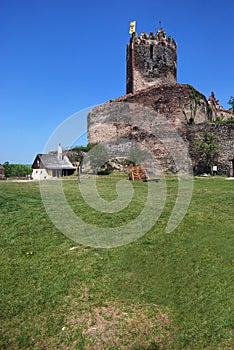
x: 61, y: 56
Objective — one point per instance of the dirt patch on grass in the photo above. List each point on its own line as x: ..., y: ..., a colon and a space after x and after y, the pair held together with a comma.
x: 124, y: 327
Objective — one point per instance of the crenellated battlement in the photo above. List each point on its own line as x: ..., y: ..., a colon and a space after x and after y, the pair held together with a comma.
x: 151, y: 84
x: 160, y: 39
x: 151, y: 60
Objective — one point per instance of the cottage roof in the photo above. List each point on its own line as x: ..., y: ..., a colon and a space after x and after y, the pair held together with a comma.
x: 51, y: 161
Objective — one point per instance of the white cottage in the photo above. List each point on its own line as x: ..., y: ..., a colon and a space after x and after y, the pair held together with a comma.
x: 46, y: 166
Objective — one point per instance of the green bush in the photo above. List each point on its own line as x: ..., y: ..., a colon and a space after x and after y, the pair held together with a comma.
x: 225, y: 121
x: 16, y: 170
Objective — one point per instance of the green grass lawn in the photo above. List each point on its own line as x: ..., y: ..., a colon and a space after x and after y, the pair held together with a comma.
x: 163, y: 291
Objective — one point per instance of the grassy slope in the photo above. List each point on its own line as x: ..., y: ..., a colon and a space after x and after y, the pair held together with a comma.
x: 188, y: 275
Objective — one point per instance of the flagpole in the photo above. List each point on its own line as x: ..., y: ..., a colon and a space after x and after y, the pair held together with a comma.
x: 133, y: 65
x: 132, y: 31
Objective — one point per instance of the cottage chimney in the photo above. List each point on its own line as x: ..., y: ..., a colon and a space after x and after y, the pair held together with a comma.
x: 60, y: 152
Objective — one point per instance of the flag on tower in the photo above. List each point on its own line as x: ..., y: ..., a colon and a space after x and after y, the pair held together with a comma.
x: 132, y: 27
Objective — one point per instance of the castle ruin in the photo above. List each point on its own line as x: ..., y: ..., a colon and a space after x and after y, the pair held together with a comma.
x: 151, y: 61
x: 151, y: 82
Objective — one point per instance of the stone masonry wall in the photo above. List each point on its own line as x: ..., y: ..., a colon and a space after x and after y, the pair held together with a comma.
x: 152, y: 67
x: 118, y: 122
x: 224, y: 136
x: 151, y: 61
x: 154, y: 117
x: 179, y: 103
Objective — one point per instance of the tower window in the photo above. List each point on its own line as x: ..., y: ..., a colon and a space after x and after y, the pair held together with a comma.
x: 151, y: 51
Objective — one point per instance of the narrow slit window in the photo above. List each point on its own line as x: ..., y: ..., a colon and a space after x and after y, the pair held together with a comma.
x: 151, y: 51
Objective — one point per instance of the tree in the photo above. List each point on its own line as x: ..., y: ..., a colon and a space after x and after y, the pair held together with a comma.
x: 75, y: 155
x: 231, y: 103
x: 6, y: 169
x: 98, y: 156
x: 82, y: 148
x: 16, y: 170
x: 205, y: 152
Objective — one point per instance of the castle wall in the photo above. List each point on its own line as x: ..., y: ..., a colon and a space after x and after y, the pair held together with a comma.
x: 164, y: 116
x: 118, y: 122
x: 111, y: 121
x: 223, y: 136
x: 179, y: 103
x: 142, y: 117
x: 151, y: 61
x: 217, y: 111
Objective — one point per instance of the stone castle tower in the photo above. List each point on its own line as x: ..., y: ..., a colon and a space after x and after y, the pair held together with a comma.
x: 151, y: 61
x: 152, y: 85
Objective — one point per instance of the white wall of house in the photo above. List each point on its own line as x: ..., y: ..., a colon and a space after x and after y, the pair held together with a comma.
x: 40, y: 174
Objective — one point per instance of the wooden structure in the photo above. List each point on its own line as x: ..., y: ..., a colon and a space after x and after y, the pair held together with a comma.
x: 136, y: 172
